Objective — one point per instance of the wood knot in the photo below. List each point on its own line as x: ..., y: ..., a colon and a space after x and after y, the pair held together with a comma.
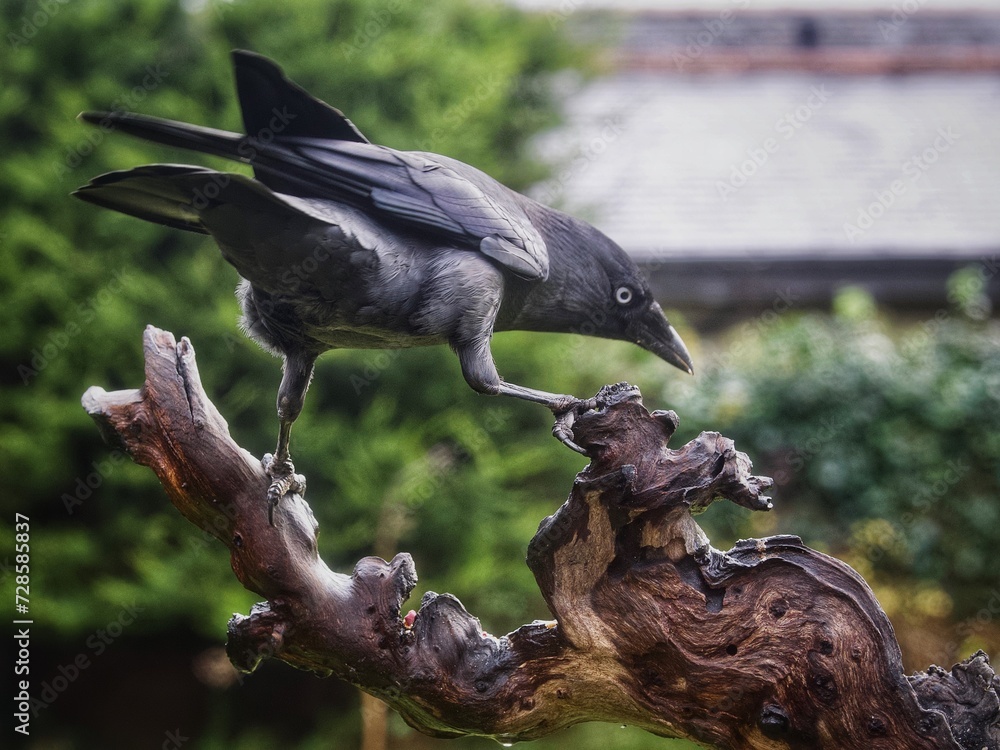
x: 824, y: 687
x: 877, y: 727
x: 778, y: 608
x: 773, y: 721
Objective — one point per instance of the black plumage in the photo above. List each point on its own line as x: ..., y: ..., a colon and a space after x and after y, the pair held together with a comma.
x: 345, y: 244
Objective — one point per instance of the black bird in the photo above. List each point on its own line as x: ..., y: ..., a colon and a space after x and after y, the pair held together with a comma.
x: 345, y: 244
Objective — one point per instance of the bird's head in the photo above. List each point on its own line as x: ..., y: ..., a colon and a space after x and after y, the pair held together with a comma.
x: 633, y: 315
x: 595, y: 289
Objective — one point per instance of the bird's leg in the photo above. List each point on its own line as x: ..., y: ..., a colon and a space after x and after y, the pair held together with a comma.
x: 557, y: 402
x: 481, y: 373
x: 563, y: 407
x: 298, y: 370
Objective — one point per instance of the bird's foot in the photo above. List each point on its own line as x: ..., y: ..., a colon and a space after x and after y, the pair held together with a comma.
x: 566, y: 410
x: 283, y: 481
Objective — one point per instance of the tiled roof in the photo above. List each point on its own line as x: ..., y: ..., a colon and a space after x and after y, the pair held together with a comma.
x: 783, y: 163
x: 751, y: 158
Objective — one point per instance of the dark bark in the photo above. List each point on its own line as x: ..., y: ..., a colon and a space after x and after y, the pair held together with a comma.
x: 768, y: 645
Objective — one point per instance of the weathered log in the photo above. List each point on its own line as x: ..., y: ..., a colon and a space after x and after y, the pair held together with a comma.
x: 768, y: 645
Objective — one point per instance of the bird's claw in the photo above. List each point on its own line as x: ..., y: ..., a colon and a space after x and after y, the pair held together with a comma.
x: 283, y: 481
x: 566, y: 412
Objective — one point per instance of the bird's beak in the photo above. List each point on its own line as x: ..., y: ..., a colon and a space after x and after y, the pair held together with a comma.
x: 654, y: 333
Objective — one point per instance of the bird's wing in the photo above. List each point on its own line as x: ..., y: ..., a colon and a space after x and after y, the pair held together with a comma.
x: 301, y: 145
x: 439, y: 196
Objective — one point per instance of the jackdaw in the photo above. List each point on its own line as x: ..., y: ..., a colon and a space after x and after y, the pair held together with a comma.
x: 342, y: 243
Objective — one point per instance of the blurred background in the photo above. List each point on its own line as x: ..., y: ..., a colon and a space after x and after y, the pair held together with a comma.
x: 811, y: 187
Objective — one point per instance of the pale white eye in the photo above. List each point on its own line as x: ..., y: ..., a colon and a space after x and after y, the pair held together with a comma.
x: 623, y: 295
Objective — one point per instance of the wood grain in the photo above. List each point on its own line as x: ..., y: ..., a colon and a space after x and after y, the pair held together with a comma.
x: 769, y: 645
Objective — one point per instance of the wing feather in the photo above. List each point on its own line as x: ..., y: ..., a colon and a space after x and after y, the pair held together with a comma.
x: 413, y: 189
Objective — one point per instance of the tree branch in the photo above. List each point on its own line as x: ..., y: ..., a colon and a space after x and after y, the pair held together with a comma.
x: 768, y: 645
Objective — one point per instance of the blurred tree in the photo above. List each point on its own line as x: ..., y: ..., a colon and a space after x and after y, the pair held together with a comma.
x: 883, y: 439
x: 78, y: 284
x: 470, y: 80
x: 883, y: 442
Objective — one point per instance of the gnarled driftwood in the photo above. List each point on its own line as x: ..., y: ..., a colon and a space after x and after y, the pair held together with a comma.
x: 768, y: 645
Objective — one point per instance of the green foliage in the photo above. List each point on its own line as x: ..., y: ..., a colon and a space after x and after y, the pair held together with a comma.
x: 882, y: 437
x: 433, y: 469
x: 79, y: 284
x: 860, y: 419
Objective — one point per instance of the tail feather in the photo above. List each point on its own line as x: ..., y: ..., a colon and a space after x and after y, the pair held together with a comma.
x: 251, y: 224
x: 172, y: 133
x: 153, y: 193
x: 188, y: 197
x: 271, y: 102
